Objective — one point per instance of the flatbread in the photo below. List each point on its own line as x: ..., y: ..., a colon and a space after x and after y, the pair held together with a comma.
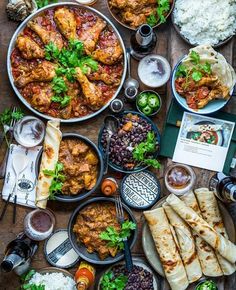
x: 49, y: 159
x: 211, y: 213
x: 219, y: 64
x: 207, y: 257
x: 218, y: 242
x: 186, y: 244
x: 167, y: 249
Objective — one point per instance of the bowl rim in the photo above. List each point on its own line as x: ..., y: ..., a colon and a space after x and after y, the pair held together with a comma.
x: 185, y: 107
x: 134, y: 29
x: 154, y: 128
x: 149, y: 91
x: 20, y: 28
x: 71, y: 224
x: 81, y: 196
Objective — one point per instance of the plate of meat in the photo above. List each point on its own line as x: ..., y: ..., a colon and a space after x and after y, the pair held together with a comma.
x: 203, y: 81
x: 70, y: 69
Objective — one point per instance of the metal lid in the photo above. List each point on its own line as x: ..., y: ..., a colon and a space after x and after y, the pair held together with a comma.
x: 59, y: 251
x: 140, y: 190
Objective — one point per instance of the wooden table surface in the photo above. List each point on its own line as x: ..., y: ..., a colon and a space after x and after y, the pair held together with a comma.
x: 169, y: 45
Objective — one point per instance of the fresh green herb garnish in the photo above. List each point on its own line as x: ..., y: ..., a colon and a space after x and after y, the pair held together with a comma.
x: 163, y: 6
x: 26, y: 278
x: 141, y: 151
x: 42, y: 3
x: 109, y: 282
x: 58, y: 179
x: 207, y: 285
x: 7, y: 116
x: 196, y: 72
x: 114, y: 238
x: 67, y: 59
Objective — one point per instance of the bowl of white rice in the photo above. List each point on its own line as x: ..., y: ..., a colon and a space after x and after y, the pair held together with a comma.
x: 205, y: 22
x: 52, y: 278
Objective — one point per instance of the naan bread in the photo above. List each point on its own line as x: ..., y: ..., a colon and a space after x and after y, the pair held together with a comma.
x: 167, y: 249
x: 207, y: 257
x: 219, y: 64
x: 186, y: 244
x: 49, y: 159
x: 219, y: 243
x: 211, y: 213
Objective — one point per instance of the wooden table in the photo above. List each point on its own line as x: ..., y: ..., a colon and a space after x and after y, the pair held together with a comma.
x: 169, y: 45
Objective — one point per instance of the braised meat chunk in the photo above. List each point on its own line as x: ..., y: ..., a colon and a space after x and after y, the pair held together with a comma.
x: 29, y: 48
x: 80, y: 166
x: 91, y: 222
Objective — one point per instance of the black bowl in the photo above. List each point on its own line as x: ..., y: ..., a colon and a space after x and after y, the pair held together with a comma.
x: 137, y: 168
x: 81, y: 249
x: 85, y: 193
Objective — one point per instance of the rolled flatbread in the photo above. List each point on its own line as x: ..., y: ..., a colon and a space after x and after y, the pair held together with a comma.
x: 207, y: 257
x: 186, y: 244
x: 166, y: 248
x: 211, y: 213
x: 219, y: 243
x: 49, y: 159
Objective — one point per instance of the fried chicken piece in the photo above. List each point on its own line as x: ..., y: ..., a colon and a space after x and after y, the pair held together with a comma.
x: 46, y: 36
x: 65, y: 20
x: 208, y: 81
x: 220, y: 92
x: 92, y: 93
x: 122, y: 4
x: 137, y: 17
x: 41, y: 98
x: 109, y: 55
x: 90, y: 36
x: 43, y: 72
x: 29, y: 48
x: 106, y: 74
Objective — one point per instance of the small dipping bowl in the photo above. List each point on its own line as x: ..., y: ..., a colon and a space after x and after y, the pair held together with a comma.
x: 29, y: 131
x: 154, y: 71
x: 179, y: 178
x: 86, y: 2
x: 153, y: 111
x: 39, y: 224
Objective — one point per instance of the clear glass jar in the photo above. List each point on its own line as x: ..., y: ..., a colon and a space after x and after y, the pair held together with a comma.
x: 179, y: 178
x: 29, y: 131
x: 39, y: 224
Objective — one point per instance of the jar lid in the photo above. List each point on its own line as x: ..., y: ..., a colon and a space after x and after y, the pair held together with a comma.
x: 140, y: 190
x: 59, y: 251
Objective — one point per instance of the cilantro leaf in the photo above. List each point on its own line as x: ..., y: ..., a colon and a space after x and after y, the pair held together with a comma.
x: 181, y: 71
x: 194, y: 57
x: 143, y: 149
x: 196, y: 76
x: 152, y: 20
x: 115, y: 238
x: 58, y: 179
x: 59, y: 85
x: 207, y: 67
x: 109, y: 281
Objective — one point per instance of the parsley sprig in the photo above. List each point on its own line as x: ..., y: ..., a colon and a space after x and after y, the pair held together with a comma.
x: 109, y: 282
x: 7, y: 116
x: 163, y: 6
x: 196, y: 72
x: 58, y: 179
x: 143, y: 149
x: 67, y: 60
x: 114, y: 238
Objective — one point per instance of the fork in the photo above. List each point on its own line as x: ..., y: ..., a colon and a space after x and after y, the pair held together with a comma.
x: 121, y: 220
x: 9, y: 130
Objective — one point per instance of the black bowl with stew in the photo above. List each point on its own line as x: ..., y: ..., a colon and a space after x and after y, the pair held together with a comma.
x: 75, y: 156
x: 89, y: 210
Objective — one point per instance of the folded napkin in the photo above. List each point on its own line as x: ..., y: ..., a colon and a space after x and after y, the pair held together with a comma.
x: 26, y: 185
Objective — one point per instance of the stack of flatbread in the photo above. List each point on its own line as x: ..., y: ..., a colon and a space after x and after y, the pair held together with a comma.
x: 191, y: 239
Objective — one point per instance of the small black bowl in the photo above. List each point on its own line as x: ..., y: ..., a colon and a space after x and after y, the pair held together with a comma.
x: 85, y: 193
x: 81, y: 249
x: 138, y: 168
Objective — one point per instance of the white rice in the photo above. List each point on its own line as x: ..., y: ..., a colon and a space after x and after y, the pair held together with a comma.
x: 206, y: 21
x: 53, y: 281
